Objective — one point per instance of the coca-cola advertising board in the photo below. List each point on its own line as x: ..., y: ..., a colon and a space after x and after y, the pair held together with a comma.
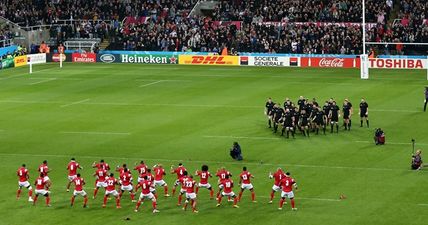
x: 330, y: 62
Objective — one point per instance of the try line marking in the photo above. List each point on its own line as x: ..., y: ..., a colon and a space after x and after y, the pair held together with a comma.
x: 75, y: 103
x: 392, y: 143
x: 95, y: 133
x: 200, y: 161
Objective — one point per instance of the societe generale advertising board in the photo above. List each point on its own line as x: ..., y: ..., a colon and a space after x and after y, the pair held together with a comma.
x: 269, y: 61
x: 212, y: 60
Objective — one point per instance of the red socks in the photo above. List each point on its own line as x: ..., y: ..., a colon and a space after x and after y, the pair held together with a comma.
x: 211, y: 193
x: 95, y: 192
x: 165, y: 188
x: 281, y: 203
x: 240, y: 195
x: 30, y: 193
x: 197, y: 190
x: 85, y: 200
x: 272, y: 194
x: 292, y: 203
x: 154, y: 205
x: 105, y: 200
x: 132, y: 196
x: 18, y: 193
x: 253, y: 196
x: 72, y: 200
x: 235, y: 200
x: 118, y: 201
x: 179, y: 199
x: 138, y: 205
x: 48, y: 199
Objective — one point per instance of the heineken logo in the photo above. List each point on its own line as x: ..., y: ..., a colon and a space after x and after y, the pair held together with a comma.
x: 149, y: 59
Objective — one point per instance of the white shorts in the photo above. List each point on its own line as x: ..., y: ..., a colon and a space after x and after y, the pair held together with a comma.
x: 25, y: 184
x: 160, y: 183
x: 81, y: 193
x: 46, y: 179
x: 276, y: 188
x: 288, y: 195
x: 207, y: 185
x: 247, y: 186
x: 71, y: 178
x: 114, y: 193
x: 152, y: 190
x: 41, y: 192
x: 191, y: 195
x: 101, y: 184
x: 139, y: 179
x: 149, y: 196
x: 231, y: 194
x: 126, y: 188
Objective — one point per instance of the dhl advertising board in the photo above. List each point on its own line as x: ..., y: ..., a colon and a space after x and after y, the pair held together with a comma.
x: 20, y: 61
x: 211, y: 60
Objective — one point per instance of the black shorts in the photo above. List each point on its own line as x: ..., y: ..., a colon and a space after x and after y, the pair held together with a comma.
x: 363, y: 114
x: 334, y: 119
x: 288, y: 125
x: 346, y: 116
x: 320, y: 122
x: 304, y: 124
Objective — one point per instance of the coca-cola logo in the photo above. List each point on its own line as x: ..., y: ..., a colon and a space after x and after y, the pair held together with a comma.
x: 331, y: 62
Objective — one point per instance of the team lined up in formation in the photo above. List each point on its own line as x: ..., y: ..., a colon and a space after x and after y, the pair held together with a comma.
x: 148, y: 182
x: 308, y: 116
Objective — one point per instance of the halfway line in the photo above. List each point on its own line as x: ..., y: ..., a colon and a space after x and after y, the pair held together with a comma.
x: 43, y: 81
x: 94, y: 133
x: 75, y: 103
x: 241, y: 137
x: 145, y: 85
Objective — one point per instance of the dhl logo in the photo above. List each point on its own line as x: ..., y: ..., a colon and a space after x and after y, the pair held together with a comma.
x: 210, y: 60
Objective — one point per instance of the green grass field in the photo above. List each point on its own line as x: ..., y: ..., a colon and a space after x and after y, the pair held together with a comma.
x: 170, y: 114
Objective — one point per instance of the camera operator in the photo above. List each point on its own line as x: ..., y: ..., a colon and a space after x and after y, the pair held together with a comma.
x: 417, y: 163
x: 235, y: 152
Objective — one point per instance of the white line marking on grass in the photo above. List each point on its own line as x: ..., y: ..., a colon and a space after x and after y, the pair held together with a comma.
x: 164, y: 80
x: 152, y: 83
x: 314, y: 199
x: 179, y: 105
x: 75, y: 103
x: 240, y: 137
x: 43, y: 81
x: 391, y: 143
x: 422, y: 204
x: 57, y: 78
x: 205, y: 161
x: 95, y: 133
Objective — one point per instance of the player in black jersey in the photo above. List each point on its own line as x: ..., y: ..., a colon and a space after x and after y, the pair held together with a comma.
x: 334, y: 117
x: 277, y: 115
x: 364, y: 112
x: 347, y: 113
x: 319, y: 120
x: 287, y: 103
x: 312, y: 124
x: 326, y: 109
x: 288, y: 123
x: 268, y: 111
x: 304, y: 123
x: 296, y: 116
x: 301, y: 102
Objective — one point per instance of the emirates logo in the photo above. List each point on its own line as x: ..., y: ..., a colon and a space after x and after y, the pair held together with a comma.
x: 335, y: 62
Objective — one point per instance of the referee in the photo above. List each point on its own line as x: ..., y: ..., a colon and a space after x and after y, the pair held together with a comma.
x: 426, y: 98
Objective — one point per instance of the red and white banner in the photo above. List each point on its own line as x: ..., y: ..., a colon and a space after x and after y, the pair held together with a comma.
x: 330, y: 62
x: 318, y: 24
x: 84, y: 57
x: 398, y: 63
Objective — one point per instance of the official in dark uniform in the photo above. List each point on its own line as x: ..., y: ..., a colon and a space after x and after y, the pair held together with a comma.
x: 364, y: 112
x: 426, y: 99
x: 268, y: 111
x: 334, y: 117
x: 347, y: 113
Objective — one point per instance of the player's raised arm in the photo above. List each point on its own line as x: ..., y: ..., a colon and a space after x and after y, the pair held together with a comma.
x: 94, y: 164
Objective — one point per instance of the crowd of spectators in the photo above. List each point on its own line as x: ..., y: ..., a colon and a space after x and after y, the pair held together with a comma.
x: 165, y: 25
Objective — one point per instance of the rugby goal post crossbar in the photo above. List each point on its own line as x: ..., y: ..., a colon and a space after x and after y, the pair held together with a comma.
x: 364, y: 66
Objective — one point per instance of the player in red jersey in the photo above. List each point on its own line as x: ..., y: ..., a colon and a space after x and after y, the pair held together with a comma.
x: 287, y: 184
x: 204, y: 175
x: 111, y: 190
x: 126, y: 184
x: 101, y: 165
x: 180, y: 173
x: 72, y: 171
x: 141, y: 169
x: 43, y: 168
x: 183, y: 189
x: 42, y: 188
x: 278, y: 176
x: 159, y: 173
x: 79, y: 182
x: 24, y: 176
x: 189, y: 184
x: 227, y: 184
x: 245, y: 182
x: 121, y: 169
x: 221, y: 174
x: 146, y: 185
x: 101, y: 175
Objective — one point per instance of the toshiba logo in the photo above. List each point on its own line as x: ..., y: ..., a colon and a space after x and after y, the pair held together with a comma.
x: 219, y: 60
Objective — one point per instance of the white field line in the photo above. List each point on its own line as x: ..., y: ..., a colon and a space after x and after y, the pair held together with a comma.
x: 75, y: 103
x: 422, y: 204
x: 95, y: 133
x: 204, y: 162
x: 178, y: 105
x: 164, y: 80
x: 43, y: 81
x: 152, y: 83
x: 57, y: 78
x: 392, y: 143
x: 303, y: 198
